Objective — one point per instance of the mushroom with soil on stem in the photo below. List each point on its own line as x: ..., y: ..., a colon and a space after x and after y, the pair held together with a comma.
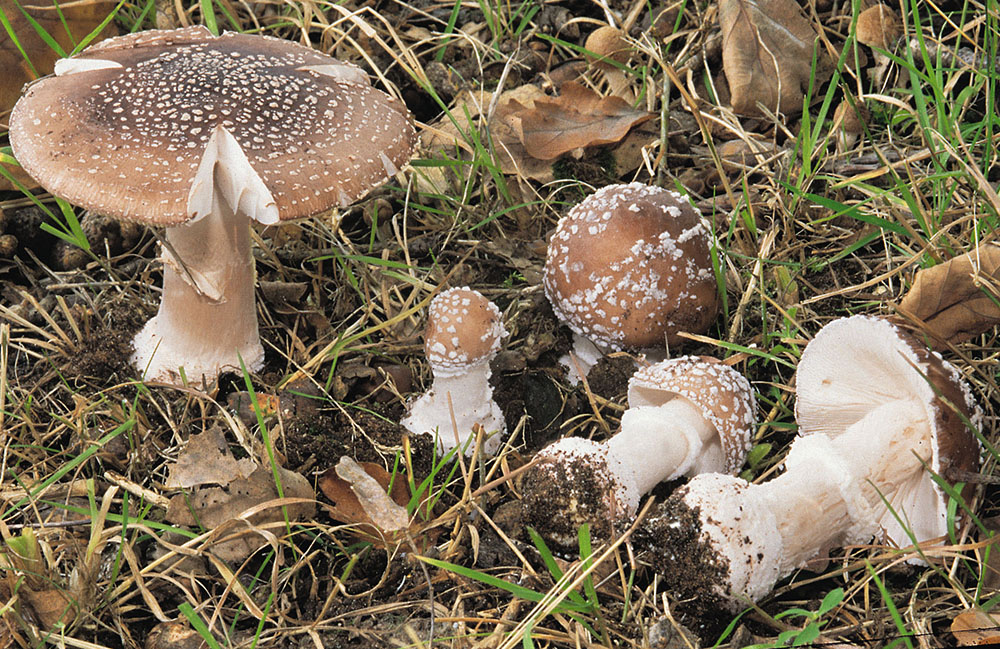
x: 464, y: 332
x: 878, y: 413
x: 686, y: 416
x: 205, y: 134
x: 630, y: 267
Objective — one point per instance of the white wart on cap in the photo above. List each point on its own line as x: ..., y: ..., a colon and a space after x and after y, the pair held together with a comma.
x: 629, y: 266
x: 202, y: 134
x: 464, y: 332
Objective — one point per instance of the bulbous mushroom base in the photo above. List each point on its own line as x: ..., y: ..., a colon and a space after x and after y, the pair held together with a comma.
x: 160, y: 357
x: 576, y: 482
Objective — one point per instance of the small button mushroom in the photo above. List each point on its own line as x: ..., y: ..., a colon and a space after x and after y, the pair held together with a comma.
x: 629, y: 267
x: 203, y: 135
x: 608, y: 49
x: 464, y: 332
x: 870, y: 419
x: 849, y: 123
x: 878, y: 27
x: 686, y: 415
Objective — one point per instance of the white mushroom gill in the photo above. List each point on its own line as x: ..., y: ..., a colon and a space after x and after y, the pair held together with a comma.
x: 65, y: 67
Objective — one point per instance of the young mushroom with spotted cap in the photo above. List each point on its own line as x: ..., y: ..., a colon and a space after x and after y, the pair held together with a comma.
x: 871, y: 424
x: 629, y: 267
x: 464, y: 332
x: 686, y: 416
x: 204, y: 134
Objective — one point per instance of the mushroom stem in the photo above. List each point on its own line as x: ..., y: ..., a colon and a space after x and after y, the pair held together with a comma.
x: 209, y: 288
x: 841, y: 481
x: 661, y: 442
x: 830, y: 495
x: 471, y: 403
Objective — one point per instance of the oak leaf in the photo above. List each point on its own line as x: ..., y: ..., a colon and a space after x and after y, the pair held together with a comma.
x: 975, y: 627
x: 767, y: 53
x: 577, y: 118
x: 361, y: 497
x: 957, y: 300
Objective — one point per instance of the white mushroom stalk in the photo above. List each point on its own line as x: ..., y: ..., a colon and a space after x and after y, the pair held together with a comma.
x: 869, y: 424
x: 205, y: 134
x: 628, y: 268
x: 464, y: 333
x: 686, y: 415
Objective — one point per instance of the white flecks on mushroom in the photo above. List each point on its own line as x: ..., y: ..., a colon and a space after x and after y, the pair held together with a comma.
x: 464, y: 332
x: 168, y: 126
x: 629, y: 267
x: 686, y: 415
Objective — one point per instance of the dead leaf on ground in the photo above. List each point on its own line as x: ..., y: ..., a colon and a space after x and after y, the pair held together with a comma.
x: 530, y: 129
x: 374, y: 504
x: 767, y: 52
x: 212, y: 507
x: 956, y: 299
x: 206, y: 460
x: 577, y: 118
x: 975, y: 627
x: 372, y: 496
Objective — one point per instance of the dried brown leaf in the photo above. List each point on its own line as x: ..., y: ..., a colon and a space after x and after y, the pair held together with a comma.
x: 206, y: 460
x: 975, y: 627
x: 372, y: 496
x: 347, y: 508
x: 577, y: 118
x: 211, y: 507
x: 767, y: 52
x: 956, y: 299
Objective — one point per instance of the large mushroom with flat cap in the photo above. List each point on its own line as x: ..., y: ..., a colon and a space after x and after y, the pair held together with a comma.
x: 686, y: 416
x: 630, y: 268
x: 204, y: 134
x: 878, y: 413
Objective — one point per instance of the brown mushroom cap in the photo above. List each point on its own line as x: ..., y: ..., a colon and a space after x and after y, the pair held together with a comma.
x: 123, y: 127
x: 629, y: 265
x: 722, y: 394
x: 608, y: 44
x: 463, y: 329
x: 878, y: 26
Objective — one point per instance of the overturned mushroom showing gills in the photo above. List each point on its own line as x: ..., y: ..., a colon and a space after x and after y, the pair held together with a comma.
x: 629, y: 267
x: 464, y: 332
x: 870, y: 418
x: 686, y: 416
x: 204, y: 134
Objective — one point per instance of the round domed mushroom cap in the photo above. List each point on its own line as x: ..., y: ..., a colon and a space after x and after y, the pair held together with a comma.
x: 608, y: 44
x: 855, y: 365
x: 124, y: 127
x: 878, y: 26
x: 629, y: 265
x: 722, y: 394
x: 463, y: 329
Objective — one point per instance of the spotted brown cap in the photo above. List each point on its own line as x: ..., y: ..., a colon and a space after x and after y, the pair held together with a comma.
x: 629, y: 265
x: 722, y: 394
x: 136, y: 126
x: 463, y: 329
